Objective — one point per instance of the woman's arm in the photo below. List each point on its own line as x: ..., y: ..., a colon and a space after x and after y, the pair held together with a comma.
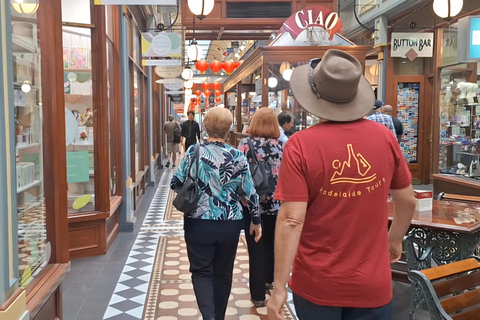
x: 250, y: 195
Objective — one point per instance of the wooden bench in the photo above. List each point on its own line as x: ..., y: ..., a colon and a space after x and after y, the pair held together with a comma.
x: 457, y: 197
x: 451, y: 291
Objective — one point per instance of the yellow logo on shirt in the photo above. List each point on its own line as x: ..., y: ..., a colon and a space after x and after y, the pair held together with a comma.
x: 355, y: 170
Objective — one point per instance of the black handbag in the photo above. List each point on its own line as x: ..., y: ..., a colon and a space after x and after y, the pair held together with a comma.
x: 261, y: 172
x: 177, y: 135
x: 189, y: 195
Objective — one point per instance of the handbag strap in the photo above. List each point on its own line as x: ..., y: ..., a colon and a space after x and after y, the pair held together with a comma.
x: 251, y: 148
x: 196, y: 154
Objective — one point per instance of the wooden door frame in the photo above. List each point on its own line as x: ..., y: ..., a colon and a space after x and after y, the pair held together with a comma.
x: 415, y: 168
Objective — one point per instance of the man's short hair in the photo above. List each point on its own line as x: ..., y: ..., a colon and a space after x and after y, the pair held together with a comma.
x: 191, y: 112
x: 284, y: 117
x: 170, y: 118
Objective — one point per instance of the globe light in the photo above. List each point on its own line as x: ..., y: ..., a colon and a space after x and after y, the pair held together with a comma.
x: 72, y: 76
x: 188, y: 84
x: 287, y: 74
x: 447, y: 8
x: 188, y: 92
x: 272, y: 82
x: 194, y: 51
x: 26, y: 88
x: 201, y: 8
x: 187, y: 73
x: 25, y: 8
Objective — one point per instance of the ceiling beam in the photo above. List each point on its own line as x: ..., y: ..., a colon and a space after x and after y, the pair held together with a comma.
x: 220, y: 33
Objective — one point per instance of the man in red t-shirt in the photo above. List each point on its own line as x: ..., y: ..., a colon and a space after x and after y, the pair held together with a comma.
x: 334, y: 182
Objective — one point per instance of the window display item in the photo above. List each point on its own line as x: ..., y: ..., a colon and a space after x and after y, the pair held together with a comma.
x: 81, y: 201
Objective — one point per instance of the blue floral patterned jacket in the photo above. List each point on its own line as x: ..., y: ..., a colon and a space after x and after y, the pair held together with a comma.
x: 223, y: 171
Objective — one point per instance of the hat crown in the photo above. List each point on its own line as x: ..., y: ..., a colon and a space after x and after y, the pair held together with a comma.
x: 337, y: 76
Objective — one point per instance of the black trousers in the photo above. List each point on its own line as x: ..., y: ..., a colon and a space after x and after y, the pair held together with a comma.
x: 261, y: 256
x: 307, y: 310
x: 189, y: 143
x: 212, y: 256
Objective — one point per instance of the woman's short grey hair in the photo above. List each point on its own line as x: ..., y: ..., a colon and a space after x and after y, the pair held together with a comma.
x: 217, y: 122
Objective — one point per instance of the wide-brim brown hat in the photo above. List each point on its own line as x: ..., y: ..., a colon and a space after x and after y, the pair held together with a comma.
x: 335, y: 89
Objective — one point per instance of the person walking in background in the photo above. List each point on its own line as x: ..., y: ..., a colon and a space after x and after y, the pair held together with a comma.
x: 334, y: 182
x: 190, y: 131
x: 172, y: 129
x: 381, y: 118
x: 286, y: 123
x: 388, y: 110
x: 213, y: 230
x: 264, y: 134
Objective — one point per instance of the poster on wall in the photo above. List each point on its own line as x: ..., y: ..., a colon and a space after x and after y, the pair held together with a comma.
x: 78, y: 166
x: 79, y: 58
x: 161, y: 44
x: 408, y: 113
x: 66, y: 58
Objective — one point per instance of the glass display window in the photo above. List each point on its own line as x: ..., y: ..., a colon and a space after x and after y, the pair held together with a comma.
x: 33, y: 245
x: 459, y: 145
x: 79, y: 119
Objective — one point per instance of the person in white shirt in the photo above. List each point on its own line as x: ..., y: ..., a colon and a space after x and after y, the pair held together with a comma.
x: 285, y: 120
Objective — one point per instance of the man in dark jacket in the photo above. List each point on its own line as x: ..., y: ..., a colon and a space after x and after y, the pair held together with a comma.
x: 190, y: 131
x: 388, y: 110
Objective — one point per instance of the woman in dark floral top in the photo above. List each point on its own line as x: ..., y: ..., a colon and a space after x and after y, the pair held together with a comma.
x: 264, y: 132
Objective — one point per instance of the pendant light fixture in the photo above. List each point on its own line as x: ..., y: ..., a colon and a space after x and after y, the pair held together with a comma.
x: 272, y: 82
x: 447, y: 9
x: 194, y: 51
x: 287, y: 74
x: 25, y: 7
x: 201, y: 8
x: 187, y: 73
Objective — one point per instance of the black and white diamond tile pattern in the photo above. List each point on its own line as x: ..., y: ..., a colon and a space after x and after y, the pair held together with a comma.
x: 129, y: 296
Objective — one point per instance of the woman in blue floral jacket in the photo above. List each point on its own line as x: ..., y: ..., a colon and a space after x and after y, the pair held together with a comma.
x: 264, y: 132
x: 212, y: 232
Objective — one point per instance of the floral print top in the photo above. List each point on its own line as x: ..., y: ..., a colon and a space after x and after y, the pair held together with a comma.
x: 223, y: 170
x: 271, y: 151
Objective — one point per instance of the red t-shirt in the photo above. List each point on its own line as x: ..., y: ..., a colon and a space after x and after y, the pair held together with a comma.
x: 344, y: 171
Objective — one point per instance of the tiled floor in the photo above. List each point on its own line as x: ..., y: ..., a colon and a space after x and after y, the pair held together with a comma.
x: 145, y: 274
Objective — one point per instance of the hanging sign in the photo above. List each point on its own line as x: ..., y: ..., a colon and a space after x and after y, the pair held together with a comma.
x: 169, y: 71
x: 412, y: 45
x: 160, y: 62
x: 313, y: 16
x: 161, y: 44
x: 137, y: 2
x: 173, y: 85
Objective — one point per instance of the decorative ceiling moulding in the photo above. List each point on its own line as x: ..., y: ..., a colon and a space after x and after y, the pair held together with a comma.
x: 218, y: 26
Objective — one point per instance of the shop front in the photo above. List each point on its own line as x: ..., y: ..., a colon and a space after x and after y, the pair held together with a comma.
x: 263, y: 78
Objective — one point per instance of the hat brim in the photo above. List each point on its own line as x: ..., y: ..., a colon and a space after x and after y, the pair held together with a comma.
x: 356, y: 109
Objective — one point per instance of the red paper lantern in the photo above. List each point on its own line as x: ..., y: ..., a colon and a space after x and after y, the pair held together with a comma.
x: 207, y: 93
x: 216, y: 85
x: 198, y: 93
x: 193, y: 86
x: 237, y: 64
x: 202, y: 66
x: 216, y: 66
x: 218, y: 93
x: 219, y: 99
x: 206, y: 85
x: 229, y: 66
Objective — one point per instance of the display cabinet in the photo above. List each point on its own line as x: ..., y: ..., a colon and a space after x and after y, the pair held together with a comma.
x: 457, y: 156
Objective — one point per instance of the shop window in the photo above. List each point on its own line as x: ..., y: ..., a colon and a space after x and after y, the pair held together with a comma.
x: 33, y: 245
x: 111, y: 119
x: 449, y: 46
x: 459, y: 145
x: 79, y: 119
x: 137, y: 90
x: 76, y: 11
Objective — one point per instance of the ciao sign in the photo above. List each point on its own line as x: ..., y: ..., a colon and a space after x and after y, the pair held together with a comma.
x: 313, y: 16
x: 403, y: 43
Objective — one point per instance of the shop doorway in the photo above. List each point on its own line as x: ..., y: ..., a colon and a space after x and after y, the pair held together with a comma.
x: 410, y: 107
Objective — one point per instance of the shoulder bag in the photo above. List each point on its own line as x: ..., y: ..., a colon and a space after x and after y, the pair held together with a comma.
x: 189, y: 195
x: 261, y: 173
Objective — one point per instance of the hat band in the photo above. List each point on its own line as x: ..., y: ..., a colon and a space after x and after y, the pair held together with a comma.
x: 313, y: 85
